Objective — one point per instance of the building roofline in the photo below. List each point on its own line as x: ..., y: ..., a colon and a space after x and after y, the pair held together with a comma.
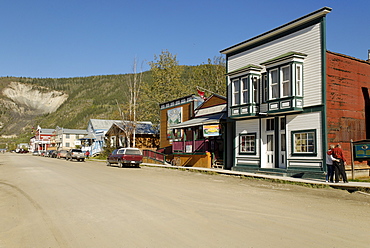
x: 349, y: 57
x: 290, y: 25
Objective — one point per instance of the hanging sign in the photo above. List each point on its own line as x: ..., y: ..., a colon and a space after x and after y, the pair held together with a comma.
x: 211, y: 130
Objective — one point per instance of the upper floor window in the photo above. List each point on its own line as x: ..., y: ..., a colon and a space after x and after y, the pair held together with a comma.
x: 298, y: 80
x: 245, y: 90
x: 244, y: 85
x: 274, y: 84
x: 67, y: 136
x: 285, y: 81
x: 264, y: 87
x: 255, y: 89
x: 285, y: 76
x: 236, y: 92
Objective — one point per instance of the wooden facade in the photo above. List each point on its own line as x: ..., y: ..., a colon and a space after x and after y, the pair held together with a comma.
x: 146, y: 137
x: 186, y: 106
x: 201, y: 143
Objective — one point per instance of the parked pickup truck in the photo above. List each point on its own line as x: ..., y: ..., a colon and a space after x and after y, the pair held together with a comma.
x: 75, y: 154
x: 125, y: 156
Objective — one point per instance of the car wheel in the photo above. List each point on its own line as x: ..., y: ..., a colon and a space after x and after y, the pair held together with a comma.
x: 120, y: 164
x: 108, y: 164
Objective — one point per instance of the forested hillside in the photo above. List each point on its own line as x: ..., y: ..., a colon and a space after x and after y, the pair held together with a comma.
x: 97, y: 97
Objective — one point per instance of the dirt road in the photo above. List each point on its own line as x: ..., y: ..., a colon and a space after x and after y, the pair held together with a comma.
x: 47, y: 202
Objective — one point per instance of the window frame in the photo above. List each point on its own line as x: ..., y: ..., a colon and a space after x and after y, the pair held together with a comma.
x: 314, y: 143
x: 285, y: 82
x: 270, y: 124
x: 244, y: 81
x: 235, y: 92
x: 298, y: 83
x: 241, y: 145
x: 295, y: 81
x: 255, y: 89
x: 272, y: 86
x: 265, y: 87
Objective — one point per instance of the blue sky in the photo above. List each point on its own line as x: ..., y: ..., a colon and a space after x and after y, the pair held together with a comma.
x: 73, y: 38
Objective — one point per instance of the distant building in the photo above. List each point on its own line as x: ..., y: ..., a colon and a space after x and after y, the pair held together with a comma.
x: 22, y: 146
x: 41, y: 141
x: 146, y: 136
x: 64, y: 138
x: 95, y: 138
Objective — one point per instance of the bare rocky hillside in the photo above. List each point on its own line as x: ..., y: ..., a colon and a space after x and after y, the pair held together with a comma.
x: 21, y: 103
x: 26, y: 99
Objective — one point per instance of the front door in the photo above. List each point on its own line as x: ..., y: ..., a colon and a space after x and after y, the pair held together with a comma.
x: 270, y: 143
x: 275, y: 143
x: 282, y: 143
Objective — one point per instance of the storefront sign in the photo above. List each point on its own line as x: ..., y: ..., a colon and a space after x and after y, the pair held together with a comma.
x: 211, y: 130
x: 361, y: 151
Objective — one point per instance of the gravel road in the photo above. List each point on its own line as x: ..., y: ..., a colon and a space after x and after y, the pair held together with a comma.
x: 47, y: 202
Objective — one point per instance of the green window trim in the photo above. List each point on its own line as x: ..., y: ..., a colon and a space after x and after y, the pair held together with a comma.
x: 305, y: 148
x: 249, y: 145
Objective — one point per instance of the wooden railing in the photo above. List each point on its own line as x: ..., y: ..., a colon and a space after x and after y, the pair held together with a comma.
x: 157, y: 156
x: 190, y: 146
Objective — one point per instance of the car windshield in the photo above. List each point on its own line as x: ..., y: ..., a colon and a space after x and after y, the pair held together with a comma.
x: 76, y: 150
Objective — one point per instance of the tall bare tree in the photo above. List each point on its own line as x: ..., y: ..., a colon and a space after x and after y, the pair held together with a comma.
x: 130, y: 112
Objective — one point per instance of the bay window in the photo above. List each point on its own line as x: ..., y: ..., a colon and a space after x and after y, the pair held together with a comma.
x: 285, y: 76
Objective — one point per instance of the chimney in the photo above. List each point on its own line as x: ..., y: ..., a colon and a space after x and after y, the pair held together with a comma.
x: 368, y: 55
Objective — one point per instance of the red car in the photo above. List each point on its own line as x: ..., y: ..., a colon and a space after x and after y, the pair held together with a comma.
x: 125, y: 156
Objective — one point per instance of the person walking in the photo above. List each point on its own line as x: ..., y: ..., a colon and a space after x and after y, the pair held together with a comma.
x: 339, y: 168
x: 329, y: 164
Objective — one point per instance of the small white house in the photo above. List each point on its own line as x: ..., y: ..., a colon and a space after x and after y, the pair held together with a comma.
x: 65, y: 138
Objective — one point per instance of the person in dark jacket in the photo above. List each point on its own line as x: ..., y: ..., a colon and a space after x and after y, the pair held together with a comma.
x: 339, y: 169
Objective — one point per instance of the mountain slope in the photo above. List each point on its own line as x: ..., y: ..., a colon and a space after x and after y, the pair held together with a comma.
x: 71, y: 102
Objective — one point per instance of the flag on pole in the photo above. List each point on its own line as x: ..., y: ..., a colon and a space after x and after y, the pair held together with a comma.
x: 201, y: 93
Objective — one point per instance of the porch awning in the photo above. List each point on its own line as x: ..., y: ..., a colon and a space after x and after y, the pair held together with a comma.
x: 198, y: 121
